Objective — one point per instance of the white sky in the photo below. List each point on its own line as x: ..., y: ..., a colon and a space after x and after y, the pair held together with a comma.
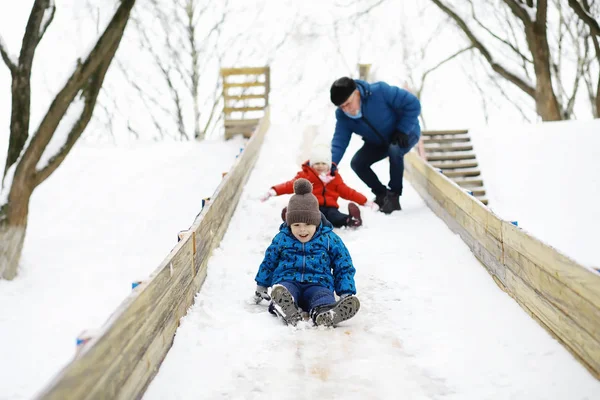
x: 112, y: 211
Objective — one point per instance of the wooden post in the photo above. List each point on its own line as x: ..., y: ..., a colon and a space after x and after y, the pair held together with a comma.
x: 363, y: 71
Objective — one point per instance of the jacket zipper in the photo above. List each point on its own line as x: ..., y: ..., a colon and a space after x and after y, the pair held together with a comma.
x: 303, y: 263
x: 375, y: 130
x: 323, y: 183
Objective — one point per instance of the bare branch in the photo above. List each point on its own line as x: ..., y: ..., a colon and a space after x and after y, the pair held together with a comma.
x: 585, y: 16
x: 497, y: 37
x: 90, y: 94
x: 444, y: 61
x: 510, y: 99
x: 484, y: 99
x: 526, y: 87
x: 84, y: 75
x: 212, y: 111
x: 594, y: 96
x: 517, y: 8
x: 575, y: 31
x: 359, y: 14
x: 366, y: 11
x: 9, y: 63
x: 21, y: 84
x: 47, y: 21
x: 34, y: 31
x: 525, y: 62
x: 144, y: 96
x: 146, y: 43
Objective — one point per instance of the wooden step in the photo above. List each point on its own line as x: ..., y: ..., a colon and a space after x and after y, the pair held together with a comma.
x: 442, y: 149
x: 444, y: 166
x: 242, y: 84
x: 484, y: 201
x: 456, y: 139
x: 466, y: 173
x: 238, y: 122
x: 236, y: 97
x: 445, y: 132
x: 229, y: 110
x: 244, y: 71
x: 477, y: 192
x: 450, y: 157
x: 469, y: 182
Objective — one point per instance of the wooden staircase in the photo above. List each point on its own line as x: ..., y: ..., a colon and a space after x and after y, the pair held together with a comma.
x: 452, y: 153
x: 245, y: 98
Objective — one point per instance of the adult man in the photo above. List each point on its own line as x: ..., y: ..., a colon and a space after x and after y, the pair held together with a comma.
x: 386, y: 117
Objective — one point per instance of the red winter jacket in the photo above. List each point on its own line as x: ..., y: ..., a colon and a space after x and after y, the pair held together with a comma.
x: 327, y: 194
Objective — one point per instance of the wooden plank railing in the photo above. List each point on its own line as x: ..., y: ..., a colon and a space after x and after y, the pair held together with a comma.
x: 562, y: 295
x: 121, y: 360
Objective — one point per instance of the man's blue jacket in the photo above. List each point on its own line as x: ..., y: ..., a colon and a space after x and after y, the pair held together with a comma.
x: 385, y: 109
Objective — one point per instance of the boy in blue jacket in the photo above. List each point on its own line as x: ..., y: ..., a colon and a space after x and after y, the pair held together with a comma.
x: 387, y: 119
x: 305, y: 263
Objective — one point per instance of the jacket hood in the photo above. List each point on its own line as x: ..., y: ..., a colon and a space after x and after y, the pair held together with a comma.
x: 364, y: 88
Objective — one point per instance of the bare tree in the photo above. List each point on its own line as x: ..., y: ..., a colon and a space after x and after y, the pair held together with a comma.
x: 533, y: 19
x: 184, y: 45
x: 586, y: 10
x: 22, y: 173
x: 541, y: 37
x: 416, y: 77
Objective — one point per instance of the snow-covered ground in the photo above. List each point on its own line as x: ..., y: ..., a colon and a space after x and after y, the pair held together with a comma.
x: 546, y: 177
x: 433, y: 323
x: 109, y: 215
x: 106, y: 218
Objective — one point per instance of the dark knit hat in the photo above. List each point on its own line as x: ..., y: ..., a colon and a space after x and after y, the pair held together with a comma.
x: 341, y: 90
x: 303, y: 205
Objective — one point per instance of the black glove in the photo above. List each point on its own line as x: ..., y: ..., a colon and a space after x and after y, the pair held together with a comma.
x: 333, y: 169
x: 400, y: 138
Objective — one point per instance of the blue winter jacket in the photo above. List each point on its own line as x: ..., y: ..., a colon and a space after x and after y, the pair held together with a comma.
x: 385, y: 110
x: 324, y: 260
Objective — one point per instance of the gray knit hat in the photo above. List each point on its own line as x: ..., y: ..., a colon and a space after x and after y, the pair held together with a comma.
x: 303, y: 205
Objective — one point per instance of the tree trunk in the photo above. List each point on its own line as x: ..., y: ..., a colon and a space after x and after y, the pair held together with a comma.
x: 13, y: 225
x: 545, y: 99
x: 12, y: 238
x: 85, y: 81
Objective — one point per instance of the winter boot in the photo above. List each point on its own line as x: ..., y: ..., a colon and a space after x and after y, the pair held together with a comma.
x: 391, y: 203
x: 333, y: 314
x: 354, y: 220
x: 284, y: 305
x: 380, y: 199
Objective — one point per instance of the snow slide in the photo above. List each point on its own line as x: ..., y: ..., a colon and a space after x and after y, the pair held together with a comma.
x: 432, y: 324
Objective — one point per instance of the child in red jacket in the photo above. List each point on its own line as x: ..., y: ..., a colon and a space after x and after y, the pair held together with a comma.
x: 327, y: 189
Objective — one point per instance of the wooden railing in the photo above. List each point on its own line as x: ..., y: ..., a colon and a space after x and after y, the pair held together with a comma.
x: 562, y: 295
x: 121, y: 360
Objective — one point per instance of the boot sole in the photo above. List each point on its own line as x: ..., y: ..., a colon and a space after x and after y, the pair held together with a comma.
x: 354, y: 212
x: 288, y: 310
x: 342, y: 311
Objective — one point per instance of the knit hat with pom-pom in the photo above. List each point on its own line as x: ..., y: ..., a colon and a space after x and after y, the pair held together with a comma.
x: 303, y: 205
